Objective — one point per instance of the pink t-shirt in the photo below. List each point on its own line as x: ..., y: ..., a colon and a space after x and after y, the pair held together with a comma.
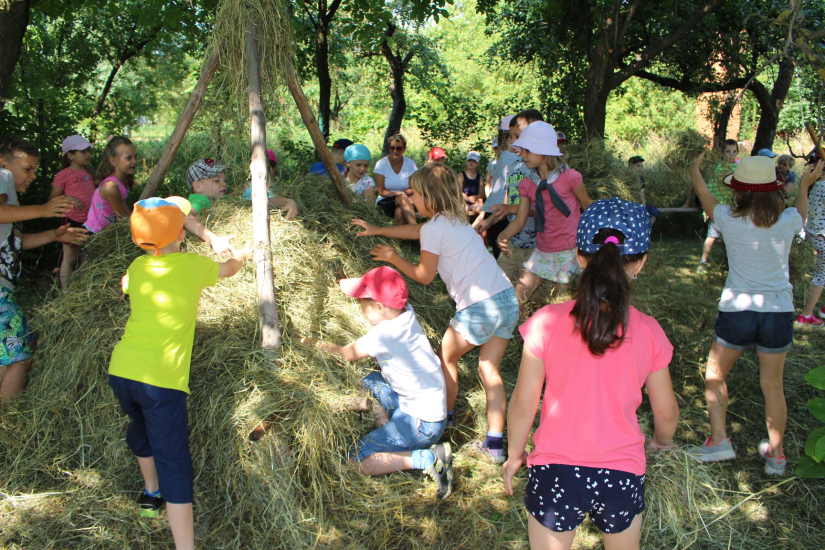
x: 559, y: 232
x: 101, y: 213
x: 588, y: 411
x: 78, y: 184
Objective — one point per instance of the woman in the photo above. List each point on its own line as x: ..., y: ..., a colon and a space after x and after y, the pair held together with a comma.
x: 392, y: 180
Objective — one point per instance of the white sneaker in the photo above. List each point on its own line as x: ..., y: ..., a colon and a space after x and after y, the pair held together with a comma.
x: 713, y: 453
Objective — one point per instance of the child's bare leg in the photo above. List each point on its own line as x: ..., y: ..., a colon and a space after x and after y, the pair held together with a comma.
x: 182, y: 524
x: 771, y: 368
x: 384, y: 463
x: 811, y: 298
x: 627, y: 539
x: 453, y: 347
x: 489, y: 369
x: 706, y: 248
x: 542, y: 538
x: 14, y: 380
x: 67, y: 265
x: 526, y: 285
x: 150, y: 474
x: 720, y: 362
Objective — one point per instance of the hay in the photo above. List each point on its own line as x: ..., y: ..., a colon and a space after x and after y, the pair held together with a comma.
x: 603, y: 174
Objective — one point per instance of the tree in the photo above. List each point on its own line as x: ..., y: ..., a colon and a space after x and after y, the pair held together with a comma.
x: 14, y: 18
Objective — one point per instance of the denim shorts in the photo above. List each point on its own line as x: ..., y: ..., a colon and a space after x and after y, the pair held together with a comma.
x: 713, y: 233
x: 559, y: 496
x: 402, y: 433
x: 495, y: 316
x: 15, y: 343
x: 769, y: 332
x: 159, y: 429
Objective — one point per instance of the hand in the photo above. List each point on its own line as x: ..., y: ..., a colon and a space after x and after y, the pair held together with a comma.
x: 304, y: 341
x: 502, y: 244
x: 812, y: 174
x: 509, y: 469
x: 697, y: 161
x: 70, y: 235
x: 247, y: 254
x: 498, y: 211
x: 369, y: 229
x: 656, y: 445
x: 222, y: 246
x: 384, y: 253
x: 58, y: 206
x: 290, y: 209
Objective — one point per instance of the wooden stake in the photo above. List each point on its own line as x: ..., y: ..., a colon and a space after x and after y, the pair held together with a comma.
x: 270, y: 326
x: 815, y: 139
x: 317, y: 137
x: 182, y: 125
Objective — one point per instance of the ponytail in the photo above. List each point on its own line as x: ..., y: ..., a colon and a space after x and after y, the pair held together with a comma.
x: 603, y: 300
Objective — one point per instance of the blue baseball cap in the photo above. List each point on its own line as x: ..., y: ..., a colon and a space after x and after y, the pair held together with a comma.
x: 766, y: 153
x: 628, y: 217
x: 357, y: 152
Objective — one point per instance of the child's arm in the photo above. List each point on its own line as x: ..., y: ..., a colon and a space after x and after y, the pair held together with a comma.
x: 812, y: 173
x: 55, y: 192
x: 55, y: 208
x: 408, y: 231
x: 63, y: 234
x: 369, y: 194
x: 582, y: 196
x: 517, y: 224
x: 664, y: 406
x: 523, y: 406
x: 110, y: 191
x: 350, y: 352
x: 220, y: 245
x: 423, y: 273
x: 707, y: 199
x: 231, y: 266
x: 288, y: 206
x: 689, y: 196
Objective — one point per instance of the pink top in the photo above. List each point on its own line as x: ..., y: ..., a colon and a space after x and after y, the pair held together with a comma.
x: 78, y: 184
x: 101, y: 213
x: 559, y: 232
x: 588, y: 412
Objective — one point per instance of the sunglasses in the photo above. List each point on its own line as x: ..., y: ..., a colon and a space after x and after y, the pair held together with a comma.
x: 397, y: 148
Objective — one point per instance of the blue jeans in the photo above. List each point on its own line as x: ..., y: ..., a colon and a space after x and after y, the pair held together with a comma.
x: 402, y: 433
x: 495, y: 316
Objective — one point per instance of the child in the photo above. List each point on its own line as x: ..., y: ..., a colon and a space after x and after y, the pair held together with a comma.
x: 593, y: 355
x: 149, y: 369
x: 723, y: 195
x: 409, y: 386
x: 486, y: 306
x: 74, y: 180
x: 784, y: 167
x: 115, y: 175
x: 288, y: 207
x: 436, y: 156
x: 495, y: 194
x: 491, y: 166
x: 337, y: 154
x: 557, y: 212
x: 358, y: 159
x: 18, y: 163
x: 815, y: 233
x: 637, y: 163
x: 757, y: 302
x: 470, y: 180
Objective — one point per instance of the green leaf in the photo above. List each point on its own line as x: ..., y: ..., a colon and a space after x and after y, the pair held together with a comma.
x: 807, y: 468
x: 816, y: 377
x: 815, y: 439
x: 817, y: 408
x: 820, y: 449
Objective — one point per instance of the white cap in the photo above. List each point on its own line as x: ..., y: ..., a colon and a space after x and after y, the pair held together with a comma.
x: 75, y: 143
x: 539, y: 138
x: 505, y: 122
x: 495, y: 142
x: 473, y: 155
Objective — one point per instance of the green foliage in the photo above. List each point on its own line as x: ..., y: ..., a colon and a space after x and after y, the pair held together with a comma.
x: 812, y: 465
x: 639, y: 108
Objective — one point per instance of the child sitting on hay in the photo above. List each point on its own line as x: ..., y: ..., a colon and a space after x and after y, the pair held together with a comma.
x: 410, y: 386
x: 18, y: 162
x: 149, y: 369
x: 288, y: 207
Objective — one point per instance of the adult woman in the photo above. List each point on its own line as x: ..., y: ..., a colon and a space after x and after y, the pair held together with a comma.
x: 392, y: 180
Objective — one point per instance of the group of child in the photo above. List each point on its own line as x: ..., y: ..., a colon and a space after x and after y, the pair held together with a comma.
x: 585, y: 361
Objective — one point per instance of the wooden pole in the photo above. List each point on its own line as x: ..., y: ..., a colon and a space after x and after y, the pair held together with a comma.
x: 815, y: 138
x: 270, y: 326
x: 317, y: 137
x: 182, y: 126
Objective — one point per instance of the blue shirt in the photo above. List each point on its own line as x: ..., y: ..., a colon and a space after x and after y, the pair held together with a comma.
x: 321, y: 170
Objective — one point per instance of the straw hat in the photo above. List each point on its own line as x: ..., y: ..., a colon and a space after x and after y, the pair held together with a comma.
x: 754, y: 174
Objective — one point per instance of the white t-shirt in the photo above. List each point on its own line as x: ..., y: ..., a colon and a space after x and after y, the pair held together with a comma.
x: 409, y: 365
x: 466, y: 267
x: 393, y: 181
x: 758, y: 275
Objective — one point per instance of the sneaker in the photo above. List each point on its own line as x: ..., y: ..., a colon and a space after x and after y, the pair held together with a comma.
x: 149, y: 505
x: 773, y: 466
x: 442, y: 469
x: 496, y: 456
x: 715, y: 453
x: 703, y: 267
x: 822, y: 312
x: 812, y: 321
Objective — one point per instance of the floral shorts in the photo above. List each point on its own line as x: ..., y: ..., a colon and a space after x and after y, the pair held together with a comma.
x: 15, y: 337
x: 818, y: 242
x: 560, y: 267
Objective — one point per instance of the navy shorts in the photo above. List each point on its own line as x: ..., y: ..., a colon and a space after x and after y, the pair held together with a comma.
x: 558, y: 496
x: 387, y: 205
x: 159, y: 429
x: 769, y: 332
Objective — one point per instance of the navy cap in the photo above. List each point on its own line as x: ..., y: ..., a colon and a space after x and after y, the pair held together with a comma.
x: 628, y: 217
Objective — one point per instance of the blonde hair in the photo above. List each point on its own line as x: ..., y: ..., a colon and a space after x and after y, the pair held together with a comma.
x: 398, y: 137
x: 555, y: 163
x: 504, y: 141
x: 438, y: 186
x: 785, y: 158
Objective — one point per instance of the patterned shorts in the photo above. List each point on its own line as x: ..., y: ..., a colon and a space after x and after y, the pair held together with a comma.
x: 15, y: 337
x: 818, y: 242
x: 560, y: 267
x: 559, y: 496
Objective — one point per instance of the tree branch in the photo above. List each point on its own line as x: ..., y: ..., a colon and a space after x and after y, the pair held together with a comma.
x: 332, y: 9
x: 691, y: 87
x: 630, y: 13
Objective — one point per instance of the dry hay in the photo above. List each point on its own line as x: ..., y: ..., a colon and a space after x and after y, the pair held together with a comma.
x: 71, y: 482
x: 603, y: 174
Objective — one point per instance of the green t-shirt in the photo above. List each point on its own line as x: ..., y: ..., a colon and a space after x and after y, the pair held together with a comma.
x: 722, y: 192
x: 164, y: 291
x: 199, y: 202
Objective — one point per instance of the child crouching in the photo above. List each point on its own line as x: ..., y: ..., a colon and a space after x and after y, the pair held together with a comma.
x: 410, y: 386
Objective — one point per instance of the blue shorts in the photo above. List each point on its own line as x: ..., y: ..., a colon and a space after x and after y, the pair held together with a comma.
x: 769, y: 332
x: 15, y: 338
x: 402, y: 433
x: 159, y: 429
x: 495, y: 316
x: 713, y: 233
x: 558, y: 496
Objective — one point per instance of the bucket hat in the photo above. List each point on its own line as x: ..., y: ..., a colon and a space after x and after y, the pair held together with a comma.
x: 539, y: 138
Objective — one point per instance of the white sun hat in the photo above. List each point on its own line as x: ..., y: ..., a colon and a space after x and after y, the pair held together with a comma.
x: 755, y: 174
x: 539, y: 138
x: 505, y: 122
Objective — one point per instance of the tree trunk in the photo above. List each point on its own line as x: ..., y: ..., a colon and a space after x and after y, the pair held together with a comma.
x: 721, y: 118
x: 14, y: 18
x: 270, y: 326
x: 596, y: 92
x: 324, y: 79
x: 399, y: 106
x: 182, y: 125
x: 771, y: 105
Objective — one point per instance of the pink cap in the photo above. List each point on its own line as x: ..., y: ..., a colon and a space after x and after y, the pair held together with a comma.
x: 382, y: 284
x: 75, y: 143
x: 270, y: 154
x: 437, y: 153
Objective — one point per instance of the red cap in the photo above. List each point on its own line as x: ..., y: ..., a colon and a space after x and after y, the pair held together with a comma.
x: 382, y: 284
x: 437, y: 153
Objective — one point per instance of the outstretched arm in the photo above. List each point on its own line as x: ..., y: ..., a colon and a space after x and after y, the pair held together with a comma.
x: 709, y: 202
x: 231, y: 266
x: 350, y: 352
x: 409, y: 231
x: 423, y: 273
x: 57, y: 207
x: 63, y: 234
x: 220, y: 245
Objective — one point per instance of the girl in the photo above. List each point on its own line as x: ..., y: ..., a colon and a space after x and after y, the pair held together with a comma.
x: 358, y: 158
x: 557, y: 212
x: 593, y: 355
x: 74, y: 180
x: 486, y: 306
x: 470, y: 180
x: 815, y: 233
x: 115, y: 176
x: 757, y: 302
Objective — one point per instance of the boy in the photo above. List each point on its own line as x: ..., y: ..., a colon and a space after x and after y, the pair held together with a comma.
x: 637, y: 163
x: 18, y: 163
x: 410, y: 387
x: 149, y: 369
x: 723, y: 194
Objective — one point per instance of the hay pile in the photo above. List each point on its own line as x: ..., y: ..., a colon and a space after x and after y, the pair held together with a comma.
x: 70, y: 481
x: 604, y: 175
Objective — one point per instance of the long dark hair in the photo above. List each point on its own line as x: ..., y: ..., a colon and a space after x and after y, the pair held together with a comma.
x: 105, y: 168
x: 603, y: 300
